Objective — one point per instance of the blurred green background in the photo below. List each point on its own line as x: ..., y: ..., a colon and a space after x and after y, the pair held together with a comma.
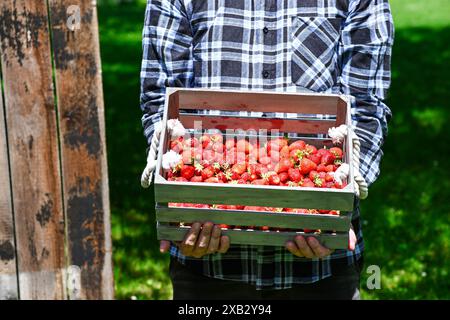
x: 406, y: 217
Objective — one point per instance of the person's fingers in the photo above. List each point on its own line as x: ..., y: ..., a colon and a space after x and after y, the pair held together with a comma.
x: 203, y: 240
x: 188, y: 244
x: 292, y: 247
x: 224, y: 244
x: 351, y: 240
x: 319, y: 250
x: 215, y: 240
x: 304, y: 247
x: 164, y: 246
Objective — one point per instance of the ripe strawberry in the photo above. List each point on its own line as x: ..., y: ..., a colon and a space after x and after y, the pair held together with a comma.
x: 334, y: 212
x: 253, y: 177
x: 191, y: 143
x: 187, y: 156
x: 239, y: 168
x: 313, y: 175
x: 310, y: 149
x: 207, y: 173
x: 284, y: 165
x: 222, y: 177
x: 212, y: 180
x: 284, y: 152
x: 198, y: 168
x: 205, y: 140
x: 218, y: 147
x: 208, y: 155
x: 276, y: 144
x: 307, y: 183
x: 328, y: 158
x: 216, y: 137
x: 244, y: 146
x: 245, y: 176
x: 187, y: 172
x: 272, y: 178
x: 306, y: 166
x: 265, y: 160
x: 337, y: 152
x: 319, y: 182
x: 321, y: 168
x: 314, y: 158
x: 330, y: 168
x: 229, y: 143
x: 294, y: 175
x: 297, y: 145
x: 196, y: 179
x: 179, y: 179
x: 260, y: 182
x: 297, y: 154
x: 177, y: 145
x: 329, y: 177
x: 321, y: 152
x: 284, y: 177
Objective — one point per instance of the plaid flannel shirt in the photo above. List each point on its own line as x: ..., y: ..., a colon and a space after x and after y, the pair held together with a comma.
x: 330, y: 46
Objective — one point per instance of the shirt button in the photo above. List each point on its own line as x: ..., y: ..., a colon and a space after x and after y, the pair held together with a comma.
x: 266, y: 30
x: 266, y: 74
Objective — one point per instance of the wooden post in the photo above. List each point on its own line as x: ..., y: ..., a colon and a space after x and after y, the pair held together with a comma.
x: 83, y: 148
x: 8, y: 275
x: 33, y: 148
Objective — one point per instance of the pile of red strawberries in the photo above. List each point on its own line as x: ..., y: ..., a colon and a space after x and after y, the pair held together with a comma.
x: 277, y: 162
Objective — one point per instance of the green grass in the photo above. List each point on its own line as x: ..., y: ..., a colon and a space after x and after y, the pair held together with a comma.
x: 406, y: 217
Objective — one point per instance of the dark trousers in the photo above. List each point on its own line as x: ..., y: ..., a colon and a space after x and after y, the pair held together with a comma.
x: 188, y: 285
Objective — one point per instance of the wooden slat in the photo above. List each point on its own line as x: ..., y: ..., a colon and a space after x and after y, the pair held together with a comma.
x: 82, y: 134
x: 33, y: 148
x: 283, y: 125
x: 250, y: 218
x: 251, y: 195
x: 257, y: 101
x: 8, y: 274
x: 266, y: 238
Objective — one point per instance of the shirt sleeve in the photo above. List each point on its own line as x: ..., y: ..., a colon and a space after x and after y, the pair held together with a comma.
x: 367, y: 39
x: 167, y: 58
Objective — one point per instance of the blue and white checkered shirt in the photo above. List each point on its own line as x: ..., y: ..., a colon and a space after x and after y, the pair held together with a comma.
x: 331, y: 46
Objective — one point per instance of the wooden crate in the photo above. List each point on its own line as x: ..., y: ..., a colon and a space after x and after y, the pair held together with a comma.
x: 312, y: 106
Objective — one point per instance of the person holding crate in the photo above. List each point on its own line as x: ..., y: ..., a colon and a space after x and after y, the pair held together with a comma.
x: 338, y: 46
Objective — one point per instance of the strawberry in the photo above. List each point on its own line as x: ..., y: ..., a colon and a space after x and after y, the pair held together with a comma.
x: 319, y: 182
x: 313, y: 175
x: 284, y: 177
x: 297, y: 154
x: 222, y: 177
x: 294, y: 175
x: 276, y: 144
x: 310, y: 149
x: 245, y: 176
x: 217, y: 167
x: 179, y: 179
x: 265, y: 160
x: 327, y: 158
x: 284, y: 152
x: 314, y: 158
x: 272, y: 178
x: 239, y: 168
x: 218, y: 147
x: 198, y: 168
x: 216, y: 137
x: 205, y: 140
x: 306, y: 166
x: 321, y: 168
x: 207, y: 173
x: 229, y: 144
x: 208, y: 155
x: 307, y: 183
x: 187, y: 172
x: 260, y: 182
x: 191, y: 143
x: 212, y: 180
x: 177, y: 145
x: 284, y: 165
x: 297, y: 145
x: 334, y: 212
x: 337, y: 152
x: 330, y: 168
x: 244, y: 146
x: 196, y: 179
x: 329, y: 177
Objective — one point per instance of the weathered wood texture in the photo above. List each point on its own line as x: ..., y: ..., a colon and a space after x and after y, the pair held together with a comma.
x: 60, y: 195
x: 83, y: 151
x: 33, y: 146
x: 8, y: 275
